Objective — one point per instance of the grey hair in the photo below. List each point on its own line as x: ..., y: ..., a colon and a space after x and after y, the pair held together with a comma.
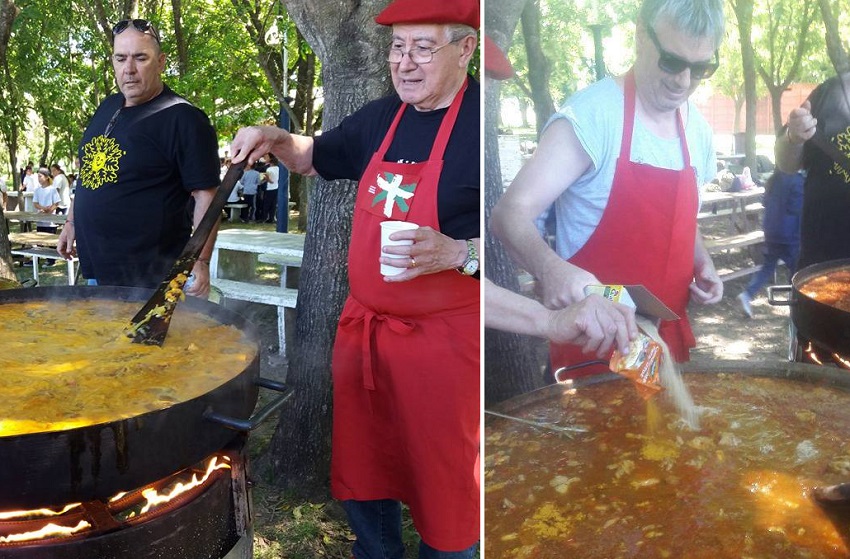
x: 457, y: 31
x: 695, y: 18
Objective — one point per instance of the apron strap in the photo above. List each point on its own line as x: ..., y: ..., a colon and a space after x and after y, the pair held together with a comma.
x: 438, y: 150
x: 629, y: 91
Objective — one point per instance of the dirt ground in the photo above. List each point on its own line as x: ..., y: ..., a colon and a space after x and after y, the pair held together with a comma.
x: 723, y: 331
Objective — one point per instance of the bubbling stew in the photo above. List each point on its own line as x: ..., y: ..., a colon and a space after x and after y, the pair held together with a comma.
x: 68, y: 364
x: 640, y: 483
x: 831, y: 289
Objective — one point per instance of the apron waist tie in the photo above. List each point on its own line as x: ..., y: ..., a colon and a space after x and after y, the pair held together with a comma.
x: 368, y: 318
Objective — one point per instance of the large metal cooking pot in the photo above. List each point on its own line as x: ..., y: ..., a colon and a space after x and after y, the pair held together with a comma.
x: 827, y: 376
x: 532, y: 493
x: 98, y: 461
x: 827, y: 325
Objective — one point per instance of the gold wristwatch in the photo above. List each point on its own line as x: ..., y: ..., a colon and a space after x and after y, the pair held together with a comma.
x: 470, y: 265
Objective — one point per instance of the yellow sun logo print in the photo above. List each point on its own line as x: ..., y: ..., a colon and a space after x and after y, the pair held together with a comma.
x: 842, y: 142
x: 100, y: 162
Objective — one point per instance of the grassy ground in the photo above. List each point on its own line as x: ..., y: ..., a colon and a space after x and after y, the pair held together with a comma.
x: 285, y: 526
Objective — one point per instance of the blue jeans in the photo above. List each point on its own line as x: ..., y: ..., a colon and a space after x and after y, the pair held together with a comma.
x: 773, y: 253
x: 377, y: 525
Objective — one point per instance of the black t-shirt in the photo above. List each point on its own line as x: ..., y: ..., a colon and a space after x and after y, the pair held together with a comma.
x: 345, y: 151
x: 130, y: 209
x: 825, y: 228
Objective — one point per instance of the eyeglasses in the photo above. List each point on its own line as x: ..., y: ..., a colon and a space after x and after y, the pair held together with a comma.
x: 418, y: 55
x: 673, y: 64
x: 140, y: 25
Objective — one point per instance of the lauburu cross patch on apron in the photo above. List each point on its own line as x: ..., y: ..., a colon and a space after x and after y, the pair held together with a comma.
x: 393, y: 191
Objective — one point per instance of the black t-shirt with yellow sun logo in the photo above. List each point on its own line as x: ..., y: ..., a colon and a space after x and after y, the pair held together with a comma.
x: 825, y: 227
x: 139, y: 167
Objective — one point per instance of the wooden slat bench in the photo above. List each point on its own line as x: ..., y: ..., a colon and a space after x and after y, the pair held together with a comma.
x: 715, y: 246
x: 37, y: 253
x: 284, y: 261
x: 279, y: 297
x: 235, y: 210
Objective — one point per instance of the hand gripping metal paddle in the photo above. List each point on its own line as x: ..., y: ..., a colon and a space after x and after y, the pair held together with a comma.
x: 150, y: 325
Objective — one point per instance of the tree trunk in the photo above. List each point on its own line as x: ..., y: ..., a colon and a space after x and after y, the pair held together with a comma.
x: 180, y: 38
x: 837, y: 54
x: 538, y: 65
x: 744, y: 13
x: 8, y: 12
x: 510, y: 362
x: 303, y: 109
x: 353, y: 72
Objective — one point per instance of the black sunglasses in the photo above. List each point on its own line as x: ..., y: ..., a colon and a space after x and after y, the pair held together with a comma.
x: 140, y: 25
x: 673, y: 64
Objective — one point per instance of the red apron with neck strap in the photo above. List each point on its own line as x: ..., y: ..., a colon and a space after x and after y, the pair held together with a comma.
x: 406, y: 363
x: 646, y: 236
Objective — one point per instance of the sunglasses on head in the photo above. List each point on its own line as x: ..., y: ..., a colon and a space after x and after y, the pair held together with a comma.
x: 673, y: 64
x: 140, y: 25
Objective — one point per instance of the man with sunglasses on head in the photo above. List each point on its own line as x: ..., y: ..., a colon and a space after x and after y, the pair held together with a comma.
x: 145, y: 153
x: 621, y: 163
x: 406, y: 355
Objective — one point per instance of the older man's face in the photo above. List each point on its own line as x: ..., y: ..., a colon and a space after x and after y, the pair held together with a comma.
x: 138, y: 63
x: 432, y: 85
x: 663, y: 91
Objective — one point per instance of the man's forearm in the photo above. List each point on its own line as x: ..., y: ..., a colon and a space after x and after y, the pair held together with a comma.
x: 523, y: 241
x: 203, y: 198
x: 789, y: 154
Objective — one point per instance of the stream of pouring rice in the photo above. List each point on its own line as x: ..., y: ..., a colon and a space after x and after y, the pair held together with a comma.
x: 671, y: 378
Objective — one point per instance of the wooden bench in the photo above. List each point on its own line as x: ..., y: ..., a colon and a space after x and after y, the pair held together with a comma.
x: 280, y: 297
x: 284, y: 261
x: 37, y: 253
x: 235, y: 209
x: 715, y: 246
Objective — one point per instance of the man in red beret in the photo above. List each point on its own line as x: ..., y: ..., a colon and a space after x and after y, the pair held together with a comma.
x: 406, y: 357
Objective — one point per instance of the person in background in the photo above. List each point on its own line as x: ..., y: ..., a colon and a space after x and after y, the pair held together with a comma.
x: 824, y: 226
x: 272, y: 176
x: 45, y: 200
x: 261, y: 165
x: 29, y: 184
x: 248, y: 184
x: 407, y: 345
x: 145, y: 153
x: 622, y: 162
x: 783, y: 205
x: 63, y: 187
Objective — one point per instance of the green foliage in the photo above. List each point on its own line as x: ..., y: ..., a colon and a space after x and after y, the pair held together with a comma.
x: 59, y: 68
x: 567, y: 42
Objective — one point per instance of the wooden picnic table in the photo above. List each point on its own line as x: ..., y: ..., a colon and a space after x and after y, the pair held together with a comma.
x: 741, y: 210
x: 32, y: 217
x: 35, y: 238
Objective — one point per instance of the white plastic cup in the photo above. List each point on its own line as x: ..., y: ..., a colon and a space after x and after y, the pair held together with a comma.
x: 387, y: 229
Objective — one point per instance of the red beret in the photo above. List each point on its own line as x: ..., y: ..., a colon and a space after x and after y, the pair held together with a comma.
x: 496, y: 64
x: 431, y: 11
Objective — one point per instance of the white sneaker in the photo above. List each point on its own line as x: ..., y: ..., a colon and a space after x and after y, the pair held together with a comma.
x: 745, y: 304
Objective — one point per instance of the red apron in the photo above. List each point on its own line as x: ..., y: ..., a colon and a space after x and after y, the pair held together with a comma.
x: 646, y: 236
x: 406, y: 364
